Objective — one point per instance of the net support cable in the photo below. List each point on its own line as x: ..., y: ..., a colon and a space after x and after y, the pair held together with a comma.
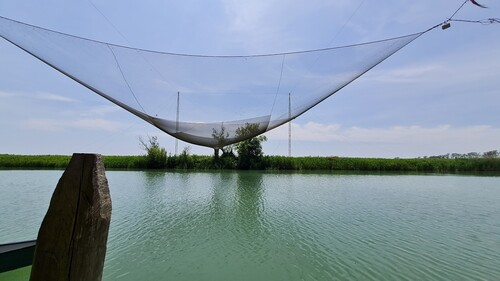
x: 215, y: 86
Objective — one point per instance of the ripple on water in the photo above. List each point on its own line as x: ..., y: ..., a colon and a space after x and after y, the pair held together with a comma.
x: 258, y: 226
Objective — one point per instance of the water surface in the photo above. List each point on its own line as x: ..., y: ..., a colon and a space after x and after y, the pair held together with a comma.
x: 264, y: 226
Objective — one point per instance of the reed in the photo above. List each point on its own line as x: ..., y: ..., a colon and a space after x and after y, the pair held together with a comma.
x: 274, y: 163
x: 383, y: 164
x: 34, y: 161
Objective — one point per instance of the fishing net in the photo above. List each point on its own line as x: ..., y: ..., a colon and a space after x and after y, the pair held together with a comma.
x: 206, y: 100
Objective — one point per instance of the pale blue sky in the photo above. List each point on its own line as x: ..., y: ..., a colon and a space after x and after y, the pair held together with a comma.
x: 439, y: 94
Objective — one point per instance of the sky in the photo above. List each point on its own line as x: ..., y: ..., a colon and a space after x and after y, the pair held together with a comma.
x: 440, y: 94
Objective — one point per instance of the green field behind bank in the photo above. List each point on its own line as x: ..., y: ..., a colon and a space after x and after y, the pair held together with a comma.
x: 197, y: 162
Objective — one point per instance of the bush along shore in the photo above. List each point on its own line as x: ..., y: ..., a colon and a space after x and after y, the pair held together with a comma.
x: 248, y: 155
x: 229, y: 161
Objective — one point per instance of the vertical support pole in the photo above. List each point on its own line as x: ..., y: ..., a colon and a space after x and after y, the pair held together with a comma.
x: 71, y: 243
x: 289, y: 125
x: 177, y: 125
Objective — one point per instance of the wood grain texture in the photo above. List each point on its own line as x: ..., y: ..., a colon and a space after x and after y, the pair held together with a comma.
x: 72, y: 239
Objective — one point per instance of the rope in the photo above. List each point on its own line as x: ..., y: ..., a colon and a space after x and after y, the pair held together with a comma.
x: 459, y: 8
x: 109, y: 21
x: 125, y: 79
x: 494, y: 20
x: 484, y: 21
x: 128, y: 42
x: 345, y: 23
x: 215, y: 56
x: 279, y: 84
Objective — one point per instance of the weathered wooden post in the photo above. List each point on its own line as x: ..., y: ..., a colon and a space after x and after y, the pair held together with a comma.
x: 72, y: 239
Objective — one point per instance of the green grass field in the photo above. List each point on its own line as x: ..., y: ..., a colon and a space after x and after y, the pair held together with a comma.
x: 278, y: 163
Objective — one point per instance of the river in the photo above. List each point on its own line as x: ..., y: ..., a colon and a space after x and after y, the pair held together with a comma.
x: 282, y: 226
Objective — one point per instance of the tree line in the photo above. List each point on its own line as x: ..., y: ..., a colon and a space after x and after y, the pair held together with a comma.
x: 470, y: 155
x: 248, y: 154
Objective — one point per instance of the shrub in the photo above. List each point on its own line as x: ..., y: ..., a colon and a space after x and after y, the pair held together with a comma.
x: 156, y: 156
x: 250, y: 154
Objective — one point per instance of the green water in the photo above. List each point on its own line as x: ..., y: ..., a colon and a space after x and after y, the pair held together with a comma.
x: 263, y: 226
x: 20, y: 274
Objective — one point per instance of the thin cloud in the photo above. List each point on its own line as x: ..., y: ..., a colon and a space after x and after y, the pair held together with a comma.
x: 98, y: 124
x: 273, y: 26
x: 50, y: 125
x: 452, y: 69
x: 418, y: 135
x: 53, y: 125
x: 101, y: 110
x: 6, y: 94
x: 410, y: 74
x: 40, y: 96
x: 54, y: 97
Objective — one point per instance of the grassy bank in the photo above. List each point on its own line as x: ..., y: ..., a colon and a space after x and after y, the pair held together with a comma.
x: 381, y: 164
x: 61, y: 161
x: 278, y: 163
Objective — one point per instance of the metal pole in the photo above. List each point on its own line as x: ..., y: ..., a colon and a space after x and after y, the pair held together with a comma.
x: 289, y: 126
x: 177, y: 125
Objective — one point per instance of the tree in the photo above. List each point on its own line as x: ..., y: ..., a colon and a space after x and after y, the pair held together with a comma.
x: 250, y: 154
x: 491, y: 154
x: 473, y: 155
x: 156, y: 156
x: 221, y: 137
x: 183, y: 160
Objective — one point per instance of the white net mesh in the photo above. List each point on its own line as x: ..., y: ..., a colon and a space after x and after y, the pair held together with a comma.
x: 214, y: 90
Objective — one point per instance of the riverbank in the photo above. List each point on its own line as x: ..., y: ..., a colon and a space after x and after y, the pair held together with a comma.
x: 278, y: 163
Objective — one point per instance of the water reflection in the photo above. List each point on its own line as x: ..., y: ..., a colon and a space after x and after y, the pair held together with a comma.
x: 249, y: 202
x: 153, y: 184
x: 219, y: 205
x: 153, y: 178
x: 237, y: 199
x: 254, y: 226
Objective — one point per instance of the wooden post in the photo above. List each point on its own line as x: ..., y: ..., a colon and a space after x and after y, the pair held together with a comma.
x: 72, y: 239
